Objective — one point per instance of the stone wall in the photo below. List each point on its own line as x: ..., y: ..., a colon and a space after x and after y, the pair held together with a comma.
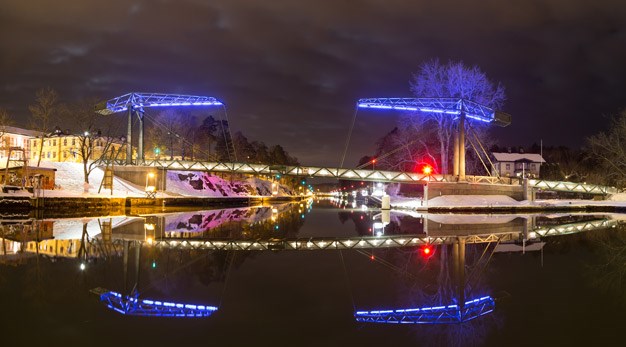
x: 436, y: 189
x: 137, y: 175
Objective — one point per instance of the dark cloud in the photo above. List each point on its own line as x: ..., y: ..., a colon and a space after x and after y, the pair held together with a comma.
x: 290, y: 72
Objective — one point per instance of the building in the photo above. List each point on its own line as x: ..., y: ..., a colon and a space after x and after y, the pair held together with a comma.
x: 517, y: 164
x: 62, y: 146
x: 16, y: 142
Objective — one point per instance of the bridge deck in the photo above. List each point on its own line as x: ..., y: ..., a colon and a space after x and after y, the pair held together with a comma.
x: 360, y: 174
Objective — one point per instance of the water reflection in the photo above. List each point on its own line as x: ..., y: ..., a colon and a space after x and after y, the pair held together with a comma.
x: 399, y: 266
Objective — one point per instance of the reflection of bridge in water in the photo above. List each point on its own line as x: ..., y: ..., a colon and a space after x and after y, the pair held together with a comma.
x: 517, y: 233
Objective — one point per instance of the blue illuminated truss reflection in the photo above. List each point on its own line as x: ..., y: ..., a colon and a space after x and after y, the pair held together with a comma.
x: 430, y: 315
x: 133, y: 306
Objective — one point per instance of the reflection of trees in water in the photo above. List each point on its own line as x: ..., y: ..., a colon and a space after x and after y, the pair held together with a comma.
x: 434, y: 281
x: 178, y: 270
x: 608, y: 274
x: 472, y: 333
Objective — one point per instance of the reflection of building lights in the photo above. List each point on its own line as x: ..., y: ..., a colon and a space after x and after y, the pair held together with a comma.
x: 149, y: 233
x: 82, y: 266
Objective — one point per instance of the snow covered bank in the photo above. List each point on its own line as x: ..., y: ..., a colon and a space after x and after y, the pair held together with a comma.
x: 69, y: 182
x: 196, y: 183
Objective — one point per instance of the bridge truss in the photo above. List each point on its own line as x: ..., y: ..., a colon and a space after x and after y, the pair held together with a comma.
x: 430, y: 315
x: 133, y: 306
x: 134, y: 104
x: 367, y: 242
x: 360, y: 174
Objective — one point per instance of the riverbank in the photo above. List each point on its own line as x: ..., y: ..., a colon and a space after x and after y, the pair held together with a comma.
x: 85, y: 206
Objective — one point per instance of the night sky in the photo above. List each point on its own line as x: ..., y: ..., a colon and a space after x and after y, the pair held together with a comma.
x: 290, y: 71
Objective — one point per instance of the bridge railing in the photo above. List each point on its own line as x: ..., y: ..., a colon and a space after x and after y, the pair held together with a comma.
x: 360, y: 174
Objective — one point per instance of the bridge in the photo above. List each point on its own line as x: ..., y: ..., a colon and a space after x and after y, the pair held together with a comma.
x: 358, y: 174
x: 534, y: 233
x: 135, y: 103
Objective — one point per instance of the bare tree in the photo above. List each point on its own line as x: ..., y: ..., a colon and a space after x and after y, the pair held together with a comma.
x: 43, y: 111
x: 451, y: 80
x: 609, y: 150
x: 95, y: 134
x: 5, y: 121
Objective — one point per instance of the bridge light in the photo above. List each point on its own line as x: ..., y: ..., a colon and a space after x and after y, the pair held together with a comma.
x: 157, y: 150
x: 303, y: 182
x: 427, y: 251
x: 427, y: 170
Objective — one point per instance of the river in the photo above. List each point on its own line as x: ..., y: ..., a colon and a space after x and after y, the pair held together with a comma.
x: 313, y: 273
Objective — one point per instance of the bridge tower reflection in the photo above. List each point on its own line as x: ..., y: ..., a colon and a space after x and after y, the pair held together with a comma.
x: 458, y: 311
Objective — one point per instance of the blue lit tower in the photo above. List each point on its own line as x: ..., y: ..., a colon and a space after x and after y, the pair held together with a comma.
x: 135, y: 103
x: 455, y: 107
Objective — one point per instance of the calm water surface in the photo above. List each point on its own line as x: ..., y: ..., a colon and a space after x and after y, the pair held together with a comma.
x: 485, y: 280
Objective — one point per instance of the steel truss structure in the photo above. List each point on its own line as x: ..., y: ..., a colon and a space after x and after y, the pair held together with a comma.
x: 367, y: 242
x: 134, y: 104
x: 452, y: 106
x: 430, y: 315
x: 572, y: 187
x: 133, y: 306
x: 359, y: 174
x: 571, y: 228
x: 141, y: 100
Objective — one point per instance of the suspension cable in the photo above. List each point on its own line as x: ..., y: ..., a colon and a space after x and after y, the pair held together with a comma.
x: 484, y: 150
x: 343, y: 158
x: 345, y: 271
x: 232, y: 143
x: 479, y: 156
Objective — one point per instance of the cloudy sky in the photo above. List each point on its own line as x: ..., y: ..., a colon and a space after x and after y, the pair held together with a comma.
x: 291, y: 71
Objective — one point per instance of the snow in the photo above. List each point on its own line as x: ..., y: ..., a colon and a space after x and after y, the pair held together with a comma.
x: 70, y: 183
x: 401, y: 202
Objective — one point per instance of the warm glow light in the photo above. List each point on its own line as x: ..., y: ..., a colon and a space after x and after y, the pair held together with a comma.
x: 427, y: 170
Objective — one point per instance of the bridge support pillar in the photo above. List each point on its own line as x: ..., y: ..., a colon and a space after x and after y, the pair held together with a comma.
x: 458, y: 160
x: 462, y: 147
x: 129, y: 138
x: 140, y: 154
x: 529, y: 193
x: 385, y: 202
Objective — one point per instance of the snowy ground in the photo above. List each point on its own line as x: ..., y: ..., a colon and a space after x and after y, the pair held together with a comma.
x: 497, y: 201
x: 69, y: 180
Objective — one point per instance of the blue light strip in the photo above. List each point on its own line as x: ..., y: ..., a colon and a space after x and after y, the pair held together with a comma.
x: 430, y: 315
x: 132, y: 306
x: 452, y: 106
x: 140, y: 100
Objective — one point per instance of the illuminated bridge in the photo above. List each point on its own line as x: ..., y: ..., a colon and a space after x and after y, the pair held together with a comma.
x: 134, y: 105
x: 369, y: 242
x: 360, y: 174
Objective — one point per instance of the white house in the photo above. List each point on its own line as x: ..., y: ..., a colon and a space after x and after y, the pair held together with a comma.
x: 518, y: 164
x: 14, y: 140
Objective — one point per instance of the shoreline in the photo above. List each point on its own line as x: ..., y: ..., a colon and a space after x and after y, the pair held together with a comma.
x: 89, y: 205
